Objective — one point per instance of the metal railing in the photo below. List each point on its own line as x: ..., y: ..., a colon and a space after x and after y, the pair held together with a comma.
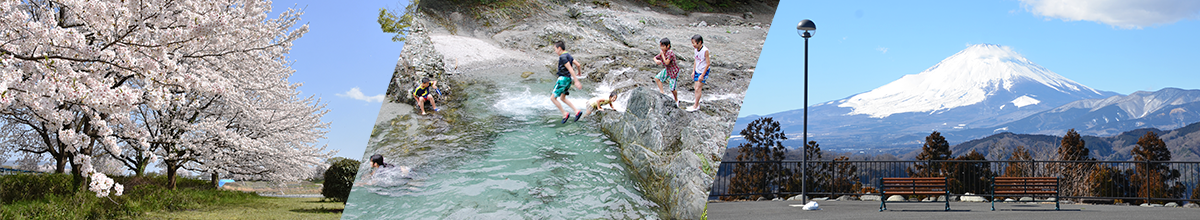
x: 1135, y: 181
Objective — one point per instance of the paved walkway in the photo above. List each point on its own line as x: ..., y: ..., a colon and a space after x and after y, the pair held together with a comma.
x: 927, y: 210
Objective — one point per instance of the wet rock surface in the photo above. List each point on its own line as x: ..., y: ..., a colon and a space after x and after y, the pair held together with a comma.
x: 673, y: 153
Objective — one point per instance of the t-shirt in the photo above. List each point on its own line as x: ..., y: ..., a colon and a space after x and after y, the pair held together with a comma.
x: 701, y: 60
x: 673, y: 67
x: 564, y: 59
x: 420, y: 91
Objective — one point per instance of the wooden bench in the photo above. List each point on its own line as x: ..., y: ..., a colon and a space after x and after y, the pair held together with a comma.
x: 930, y: 186
x: 1029, y: 186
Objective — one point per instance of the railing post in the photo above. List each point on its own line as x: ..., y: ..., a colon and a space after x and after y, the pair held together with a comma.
x: 1146, y: 178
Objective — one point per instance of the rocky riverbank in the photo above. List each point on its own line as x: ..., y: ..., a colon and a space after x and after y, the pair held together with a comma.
x: 673, y: 153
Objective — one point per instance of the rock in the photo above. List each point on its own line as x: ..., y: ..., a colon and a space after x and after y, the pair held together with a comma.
x: 812, y: 206
x: 895, y: 198
x: 954, y: 198
x: 869, y: 197
x: 820, y: 199
x: 1009, y: 200
x: 665, y: 145
x: 702, y: 24
x: 795, y: 198
x: 1171, y: 204
x: 1026, y: 199
x: 846, y: 198
x: 1151, y: 205
x: 777, y: 199
x: 1191, y: 205
x: 969, y: 197
x: 928, y: 199
x: 940, y: 199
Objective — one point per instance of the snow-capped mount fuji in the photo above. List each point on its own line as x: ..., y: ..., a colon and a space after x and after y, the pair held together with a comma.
x: 980, y: 73
x: 981, y: 86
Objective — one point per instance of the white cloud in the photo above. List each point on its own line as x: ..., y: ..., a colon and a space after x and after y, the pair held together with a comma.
x: 882, y: 49
x: 1125, y: 14
x: 355, y: 93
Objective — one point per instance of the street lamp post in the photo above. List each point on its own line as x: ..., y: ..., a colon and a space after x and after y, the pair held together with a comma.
x: 803, y: 29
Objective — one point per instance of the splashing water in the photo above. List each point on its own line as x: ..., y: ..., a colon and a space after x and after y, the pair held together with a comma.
x: 533, y: 168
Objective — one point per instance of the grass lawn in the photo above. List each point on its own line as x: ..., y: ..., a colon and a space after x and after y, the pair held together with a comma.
x: 261, y: 208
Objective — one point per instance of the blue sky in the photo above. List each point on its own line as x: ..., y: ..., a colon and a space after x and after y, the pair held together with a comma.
x: 343, y: 50
x: 861, y: 45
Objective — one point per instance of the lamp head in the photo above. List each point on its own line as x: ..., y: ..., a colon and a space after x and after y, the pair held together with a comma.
x: 804, y: 27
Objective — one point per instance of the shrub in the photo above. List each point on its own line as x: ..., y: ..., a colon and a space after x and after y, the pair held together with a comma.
x: 25, y: 187
x: 339, y: 178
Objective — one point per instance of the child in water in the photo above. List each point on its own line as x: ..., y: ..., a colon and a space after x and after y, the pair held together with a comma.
x: 598, y: 104
x: 568, y: 75
x: 377, y: 164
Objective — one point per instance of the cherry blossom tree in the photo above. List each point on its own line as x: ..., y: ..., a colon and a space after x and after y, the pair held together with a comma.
x: 79, y: 71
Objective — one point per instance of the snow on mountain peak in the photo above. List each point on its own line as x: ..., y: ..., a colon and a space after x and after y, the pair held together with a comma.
x: 1025, y: 100
x: 965, y: 78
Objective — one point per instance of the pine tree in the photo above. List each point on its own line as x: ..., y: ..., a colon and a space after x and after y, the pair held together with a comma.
x: 935, y: 148
x: 1152, y: 178
x: 764, y: 140
x: 1019, y: 169
x: 970, y: 176
x: 1072, y: 147
x: 1074, y: 175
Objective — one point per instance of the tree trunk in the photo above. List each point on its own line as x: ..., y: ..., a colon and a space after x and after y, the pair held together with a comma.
x: 171, y: 170
x: 140, y: 171
x: 215, y: 181
x: 60, y: 165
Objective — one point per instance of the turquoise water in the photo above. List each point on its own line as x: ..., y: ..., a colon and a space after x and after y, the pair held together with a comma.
x: 528, y: 167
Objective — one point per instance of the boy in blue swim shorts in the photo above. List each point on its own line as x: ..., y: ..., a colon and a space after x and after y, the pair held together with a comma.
x: 700, y: 69
x: 567, y: 76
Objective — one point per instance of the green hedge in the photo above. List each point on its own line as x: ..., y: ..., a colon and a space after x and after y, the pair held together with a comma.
x: 22, y: 187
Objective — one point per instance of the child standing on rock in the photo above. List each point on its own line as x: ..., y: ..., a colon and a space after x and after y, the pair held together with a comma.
x: 701, y: 71
x: 670, y: 71
x: 567, y: 76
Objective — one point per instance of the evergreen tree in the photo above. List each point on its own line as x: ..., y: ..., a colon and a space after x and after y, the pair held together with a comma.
x: 1107, y: 181
x: 1019, y: 169
x: 1074, y: 174
x: 1152, y: 178
x: 935, y: 148
x: 764, y: 140
x: 970, y: 177
x: 1072, y: 147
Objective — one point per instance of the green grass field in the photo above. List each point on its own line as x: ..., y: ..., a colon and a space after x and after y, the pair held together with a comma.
x: 53, y: 196
x: 261, y: 208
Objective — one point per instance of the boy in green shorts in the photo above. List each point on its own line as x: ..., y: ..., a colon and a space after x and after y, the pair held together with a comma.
x: 566, y: 77
x: 670, y: 71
